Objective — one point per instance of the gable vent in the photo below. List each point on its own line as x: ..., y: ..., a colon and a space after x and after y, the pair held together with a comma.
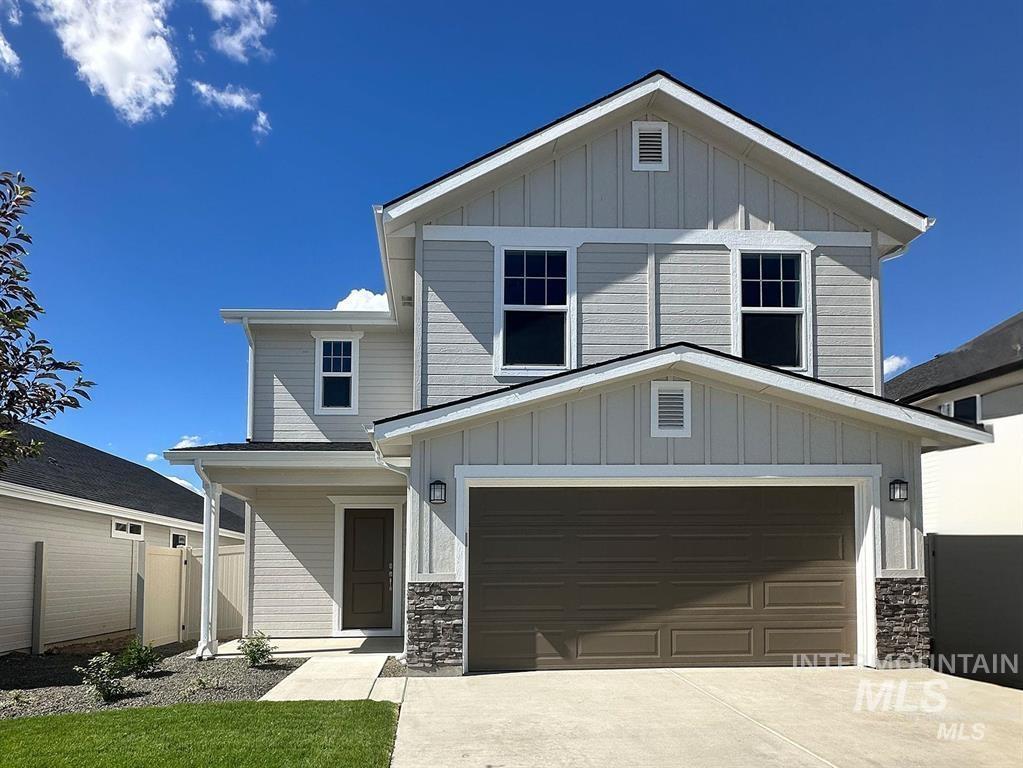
x: 649, y: 146
x: 670, y: 408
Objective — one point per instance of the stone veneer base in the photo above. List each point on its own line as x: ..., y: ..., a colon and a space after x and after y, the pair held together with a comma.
x: 434, y: 627
x: 903, y: 621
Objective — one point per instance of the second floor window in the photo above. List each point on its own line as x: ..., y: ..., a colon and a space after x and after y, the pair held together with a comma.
x: 772, y: 314
x: 337, y: 362
x: 535, y: 309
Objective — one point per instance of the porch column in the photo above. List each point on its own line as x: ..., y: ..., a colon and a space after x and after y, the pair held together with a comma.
x: 210, y: 552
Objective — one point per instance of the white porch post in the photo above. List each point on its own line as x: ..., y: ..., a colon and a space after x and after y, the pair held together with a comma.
x: 210, y: 551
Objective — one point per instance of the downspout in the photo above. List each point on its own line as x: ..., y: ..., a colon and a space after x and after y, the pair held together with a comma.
x: 378, y: 455
x: 207, y: 647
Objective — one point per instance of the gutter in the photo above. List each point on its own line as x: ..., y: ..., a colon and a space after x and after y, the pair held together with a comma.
x: 378, y: 455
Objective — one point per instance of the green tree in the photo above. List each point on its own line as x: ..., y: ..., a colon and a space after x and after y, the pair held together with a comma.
x: 34, y: 385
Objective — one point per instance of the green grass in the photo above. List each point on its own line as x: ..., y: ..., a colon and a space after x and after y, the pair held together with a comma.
x: 229, y: 735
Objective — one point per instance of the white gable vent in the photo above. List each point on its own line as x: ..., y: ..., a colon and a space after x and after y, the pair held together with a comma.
x: 670, y: 408
x: 649, y: 146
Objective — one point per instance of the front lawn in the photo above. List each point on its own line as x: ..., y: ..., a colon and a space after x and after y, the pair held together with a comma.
x: 232, y: 735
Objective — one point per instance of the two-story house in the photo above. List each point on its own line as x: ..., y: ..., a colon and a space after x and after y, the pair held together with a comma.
x: 624, y: 410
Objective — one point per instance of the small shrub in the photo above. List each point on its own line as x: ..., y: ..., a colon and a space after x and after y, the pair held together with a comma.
x: 138, y: 659
x: 101, y: 672
x: 257, y: 649
x: 16, y: 698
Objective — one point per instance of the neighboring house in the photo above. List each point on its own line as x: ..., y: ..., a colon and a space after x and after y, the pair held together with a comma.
x: 91, y: 510
x: 624, y: 410
x: 980, y: 382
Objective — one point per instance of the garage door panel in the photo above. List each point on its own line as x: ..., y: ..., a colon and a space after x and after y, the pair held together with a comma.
x: 722, y: 576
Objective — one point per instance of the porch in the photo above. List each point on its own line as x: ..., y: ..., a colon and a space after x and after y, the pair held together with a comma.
x: 324, y: 545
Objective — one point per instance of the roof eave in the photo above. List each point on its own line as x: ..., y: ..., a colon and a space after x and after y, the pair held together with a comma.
x: 307, y: 317
x: 276, y: 459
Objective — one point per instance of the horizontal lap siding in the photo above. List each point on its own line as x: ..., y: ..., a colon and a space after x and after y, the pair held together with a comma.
x: 612, y: 290
x: 458, y: 332
x: 293, y: 564
x: 284, y: 384
x: 90, y: 575
x: 844, y: 316
x: 694, y: 297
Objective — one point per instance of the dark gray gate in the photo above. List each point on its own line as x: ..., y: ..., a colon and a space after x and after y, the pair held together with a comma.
x: 976, y: 589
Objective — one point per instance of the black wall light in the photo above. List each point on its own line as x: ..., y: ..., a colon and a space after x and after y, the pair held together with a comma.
x: 898, y: 490
x: 438, y: 492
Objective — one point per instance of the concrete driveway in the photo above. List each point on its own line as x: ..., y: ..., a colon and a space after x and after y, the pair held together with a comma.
x: 709, y: 717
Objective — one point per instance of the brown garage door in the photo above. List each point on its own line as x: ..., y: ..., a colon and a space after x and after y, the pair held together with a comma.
x: 616, y: 577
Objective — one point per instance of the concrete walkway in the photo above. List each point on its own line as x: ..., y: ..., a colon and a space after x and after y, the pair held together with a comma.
x: 709, y: 717
x: 338, y: 669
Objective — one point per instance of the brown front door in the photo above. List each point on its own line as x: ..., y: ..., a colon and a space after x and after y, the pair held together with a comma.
x: 368, y: 569
x: 658, y: 577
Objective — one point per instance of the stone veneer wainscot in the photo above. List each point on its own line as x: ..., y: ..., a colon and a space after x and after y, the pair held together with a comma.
x: 903, y: 620
x: 434, y: 625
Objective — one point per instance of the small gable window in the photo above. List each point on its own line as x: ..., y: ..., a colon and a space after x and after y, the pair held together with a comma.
x: 965, y: 409
x: 178, y: 540
x: 337, y: 370
x: 649, y: 146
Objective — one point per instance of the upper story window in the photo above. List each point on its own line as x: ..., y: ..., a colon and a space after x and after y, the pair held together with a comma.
x: 533, y: 317
x: 178, y: 539
x: 337, y: 374
x: 772, y: 317
x: 965, y: 409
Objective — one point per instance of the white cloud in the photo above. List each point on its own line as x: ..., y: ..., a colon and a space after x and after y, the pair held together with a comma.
x: 363, y: 300
x: 261, y: 125
x: 234, y: 98
x: 894, y: 363
x: 185, y: 484
x: 10, y: 62
x: 121, y: 48
x: 187, y: 441
x: 242, y: 26
x: 151, y: 457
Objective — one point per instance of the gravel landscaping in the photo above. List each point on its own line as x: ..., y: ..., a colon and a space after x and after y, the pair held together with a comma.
x: 393, y: 668
x: 48, y: 684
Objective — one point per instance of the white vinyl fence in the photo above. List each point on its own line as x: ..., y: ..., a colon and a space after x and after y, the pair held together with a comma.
x: 169, y: 596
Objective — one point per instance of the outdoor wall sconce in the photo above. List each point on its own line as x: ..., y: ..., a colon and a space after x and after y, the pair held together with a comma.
x: 438, y: 492
x: 898, y: 490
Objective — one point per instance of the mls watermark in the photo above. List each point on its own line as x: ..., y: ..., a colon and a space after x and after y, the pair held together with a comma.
x: 928, y: 697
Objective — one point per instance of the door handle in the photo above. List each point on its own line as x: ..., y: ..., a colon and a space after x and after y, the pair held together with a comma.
x: 390, y: 577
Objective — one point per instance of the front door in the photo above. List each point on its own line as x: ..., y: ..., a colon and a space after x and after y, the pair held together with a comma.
x: 368, y: 569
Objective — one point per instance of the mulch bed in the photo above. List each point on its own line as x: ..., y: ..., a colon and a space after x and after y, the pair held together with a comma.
x: 48, y: 684
x: 393, y: 668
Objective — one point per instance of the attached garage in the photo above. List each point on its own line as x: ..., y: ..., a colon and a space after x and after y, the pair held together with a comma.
x: 659, y: 576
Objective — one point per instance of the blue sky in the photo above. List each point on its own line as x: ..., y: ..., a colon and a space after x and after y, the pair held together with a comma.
x: 159, y: 202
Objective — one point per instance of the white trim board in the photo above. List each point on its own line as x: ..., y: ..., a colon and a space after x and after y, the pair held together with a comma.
x: 306, y: 317
x: 573, y: 237
x: 282, y: 459
x: 864, y: 479
x: 658, y: 83
x: 26, y: 493
x: 397, y: 504
x: 687, y: 359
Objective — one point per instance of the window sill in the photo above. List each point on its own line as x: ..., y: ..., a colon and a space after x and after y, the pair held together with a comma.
x: 533, y: 372
x: 353, y: 411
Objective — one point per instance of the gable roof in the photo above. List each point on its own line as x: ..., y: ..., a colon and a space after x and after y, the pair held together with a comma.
x: 74, y: 469
x: 934, y: 428
x: 995, y: 352
x: 655, y: 82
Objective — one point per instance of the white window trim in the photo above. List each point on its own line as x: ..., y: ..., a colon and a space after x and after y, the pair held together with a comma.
x: 807, y: 310
x: 687, y: 412
x: 947, y: 408
x: 318, y: 374
x: 116, y: 534
x: 649, y: 125
x: 571, y: 336
x: 172, y: 534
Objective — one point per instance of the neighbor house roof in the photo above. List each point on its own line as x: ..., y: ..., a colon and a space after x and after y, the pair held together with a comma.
x: 995, y: 352
x: 646, y: 87
x: 74, y: 469
x: 767, y: 380
x: 253, y: 445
